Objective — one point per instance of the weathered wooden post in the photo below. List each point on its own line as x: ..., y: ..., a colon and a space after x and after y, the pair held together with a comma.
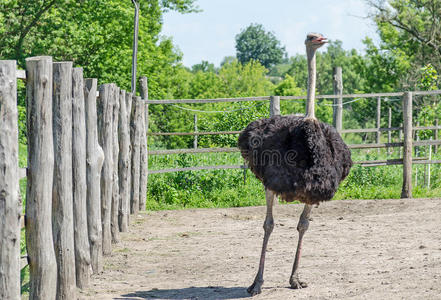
x: 10, y: 202
x: 123, y: 163
x: 274, y: 106
x: 135, y: 135
x: 39, y: 240
x: 62, y: 200
x: 115, y: 188
x: 81, y: 239
x: 389, y: 132
x: 400, y: 137
x: 129, y: 102
x: 195, y: 141
x: 416, y: 136
x: 95, y: 159
x: 338, y: 102
x: 105, y: 124
x: 407, y: 146
x: 428, y: 166
x: 378, y: 120
x: 144, y: 154
x: 436, y: 134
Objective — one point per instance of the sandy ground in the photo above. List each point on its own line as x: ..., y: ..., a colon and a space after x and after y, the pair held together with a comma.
x: 365, y: 249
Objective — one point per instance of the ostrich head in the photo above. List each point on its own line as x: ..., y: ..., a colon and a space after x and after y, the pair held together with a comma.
x: 315, y: 40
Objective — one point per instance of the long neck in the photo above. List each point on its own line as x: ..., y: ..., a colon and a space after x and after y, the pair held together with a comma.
x: 310, y: 53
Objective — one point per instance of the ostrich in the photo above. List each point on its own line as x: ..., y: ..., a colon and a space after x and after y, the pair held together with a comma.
x: 296, y: 158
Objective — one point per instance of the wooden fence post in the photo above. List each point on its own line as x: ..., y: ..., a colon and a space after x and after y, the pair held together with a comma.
x: 416, y: 136
x: 95, y: 159
x: 81, y: 239
x: 123, y: 163
x: 39, y: 240
x: 105, y: 124
x: 10, y: 206
x: 135, y: 135
x: 338, y: 102
x: 144, y: 150
x: 389, y: 133
x: 129, y: 102
x: 436, y: 134
x: 195, y: 122
x: 274, y: 106
x: 62, y: 200
x: 400, y: 137
x: 428, y: 166
x: 407, y: 146
x: 378, y: 120
x: 114, y: 226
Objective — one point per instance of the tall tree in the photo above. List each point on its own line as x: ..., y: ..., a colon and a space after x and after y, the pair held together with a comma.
x: 96, y: 35
x: 410, y: 30
x: 254, y: 42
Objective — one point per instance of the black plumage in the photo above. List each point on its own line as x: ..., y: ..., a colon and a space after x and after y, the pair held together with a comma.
x: 298, y: 158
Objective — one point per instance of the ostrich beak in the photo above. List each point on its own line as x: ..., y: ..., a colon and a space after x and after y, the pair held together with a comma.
x: 320, y: 40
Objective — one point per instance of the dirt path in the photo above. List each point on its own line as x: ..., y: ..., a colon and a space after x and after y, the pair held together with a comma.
x: 366, y: 249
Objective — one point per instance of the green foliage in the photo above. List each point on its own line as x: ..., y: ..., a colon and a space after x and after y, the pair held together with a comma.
x: 96, y: 35
x: 334, y: 56
x: 22, y: 136
x: 409, y: 30
x: 226, y: 188
x: 232, y: 80
x: 204, y: 66
x: 255, y: 43
x: 428, y: 78
x: 287, y: 87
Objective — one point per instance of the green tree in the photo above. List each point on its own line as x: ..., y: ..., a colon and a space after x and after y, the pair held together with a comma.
x: 255, y: 43
x: 334, y: 56
x: 96, y: 35
x: 410, y: 31
x: 203, y: 66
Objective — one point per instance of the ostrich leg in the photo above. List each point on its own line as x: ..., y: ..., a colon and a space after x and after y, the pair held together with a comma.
x: 268, y: 226
x: 301, y: 228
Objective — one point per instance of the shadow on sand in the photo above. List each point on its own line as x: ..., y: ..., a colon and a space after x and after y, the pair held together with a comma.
x: 193, y: 293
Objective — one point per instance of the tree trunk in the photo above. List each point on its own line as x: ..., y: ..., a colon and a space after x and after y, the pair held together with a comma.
x: 135, y: 135
x: 10, y: 201
x: 62, y: 200
x: 105, y: 124
x: 95, y: 159
x: 144, y: 156
x: 115, y: 189
x: 81, y: 239
x: 39, y: 240
x: 123, y: 163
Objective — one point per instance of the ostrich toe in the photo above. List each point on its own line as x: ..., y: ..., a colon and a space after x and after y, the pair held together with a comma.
x: 255, y: 288
x: 297, y: 284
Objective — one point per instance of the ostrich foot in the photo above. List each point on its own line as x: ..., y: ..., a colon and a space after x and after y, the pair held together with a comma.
x: 255, y: 288
x: 296, y: 283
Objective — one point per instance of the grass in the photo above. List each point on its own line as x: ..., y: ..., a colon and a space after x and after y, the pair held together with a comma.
x: 227, y: 188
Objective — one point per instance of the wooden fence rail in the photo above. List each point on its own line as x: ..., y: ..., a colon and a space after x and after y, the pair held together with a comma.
x: 274, y: 104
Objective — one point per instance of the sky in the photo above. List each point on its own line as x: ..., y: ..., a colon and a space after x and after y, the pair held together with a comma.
x: 210, y: 35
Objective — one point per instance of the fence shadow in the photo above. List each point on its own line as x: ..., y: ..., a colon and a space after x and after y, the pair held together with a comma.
x: 209, y: 292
